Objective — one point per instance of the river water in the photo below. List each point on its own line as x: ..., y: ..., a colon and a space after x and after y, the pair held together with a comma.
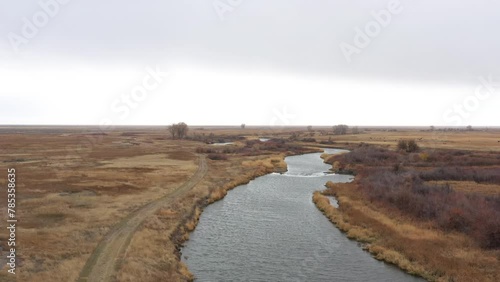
x: 270, y: 230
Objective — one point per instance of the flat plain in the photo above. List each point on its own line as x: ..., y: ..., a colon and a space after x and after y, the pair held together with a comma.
x: 77, y: 186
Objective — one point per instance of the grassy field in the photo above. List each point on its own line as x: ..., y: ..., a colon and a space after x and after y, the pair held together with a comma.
x: 76, y: 184
x: 71, y: 192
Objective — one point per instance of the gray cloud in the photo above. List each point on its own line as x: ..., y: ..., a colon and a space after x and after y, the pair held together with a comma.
x: 442, y: 41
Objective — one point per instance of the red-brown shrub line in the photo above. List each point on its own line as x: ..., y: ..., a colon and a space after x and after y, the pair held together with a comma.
x: 370, y: 155
x: 397, y: 179
x: 255, y: 147
x: 482, y: 175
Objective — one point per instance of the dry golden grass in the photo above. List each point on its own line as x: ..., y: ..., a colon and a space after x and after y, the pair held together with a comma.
x: 472, y: 187
x: 69, y: 198
x: 270, y: 163
x: 464, y: 140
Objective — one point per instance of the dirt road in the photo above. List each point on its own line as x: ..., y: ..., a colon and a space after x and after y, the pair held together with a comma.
x: 101, y: 265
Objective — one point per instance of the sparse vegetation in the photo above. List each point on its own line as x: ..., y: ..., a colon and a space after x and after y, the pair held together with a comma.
x: 414, y: 188
x: 390, y: 178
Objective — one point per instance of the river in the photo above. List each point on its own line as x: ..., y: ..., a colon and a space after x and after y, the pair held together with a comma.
x: 270, y: 230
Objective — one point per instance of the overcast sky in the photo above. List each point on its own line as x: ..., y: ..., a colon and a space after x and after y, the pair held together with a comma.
x: 259, y: 62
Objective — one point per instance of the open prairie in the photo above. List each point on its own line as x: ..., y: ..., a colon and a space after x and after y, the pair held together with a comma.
x: 74, y: 185
x: 79, y: 188
x: 111, y: 206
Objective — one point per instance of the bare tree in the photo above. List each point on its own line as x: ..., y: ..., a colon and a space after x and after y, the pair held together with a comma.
x: 355, y: 130
x: 182, y: 130
x: 178, y: 130
x: 173, y: 130
x: 243, y: 126
x: 340, y: 129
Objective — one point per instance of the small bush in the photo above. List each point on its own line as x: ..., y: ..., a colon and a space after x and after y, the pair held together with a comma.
x: 424, y: 156
x: 412, y: 146
x: 402, y: 145
x: 408, y: 146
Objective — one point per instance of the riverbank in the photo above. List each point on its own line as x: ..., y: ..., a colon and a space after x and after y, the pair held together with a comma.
x: 270, y: 225
x: 404, y: 235
x: 363, y: 234
x: 252, y: 169
x: 170, y: 226
x: 154, y: 250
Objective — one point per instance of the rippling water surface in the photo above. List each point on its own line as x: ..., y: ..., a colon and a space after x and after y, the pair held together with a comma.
x: 270, y: 230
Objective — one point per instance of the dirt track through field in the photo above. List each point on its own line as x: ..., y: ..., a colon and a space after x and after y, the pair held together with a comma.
x: 102, y: 263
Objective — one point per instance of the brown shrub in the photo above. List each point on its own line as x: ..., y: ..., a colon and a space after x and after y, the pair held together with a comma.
x: 479, y: 175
